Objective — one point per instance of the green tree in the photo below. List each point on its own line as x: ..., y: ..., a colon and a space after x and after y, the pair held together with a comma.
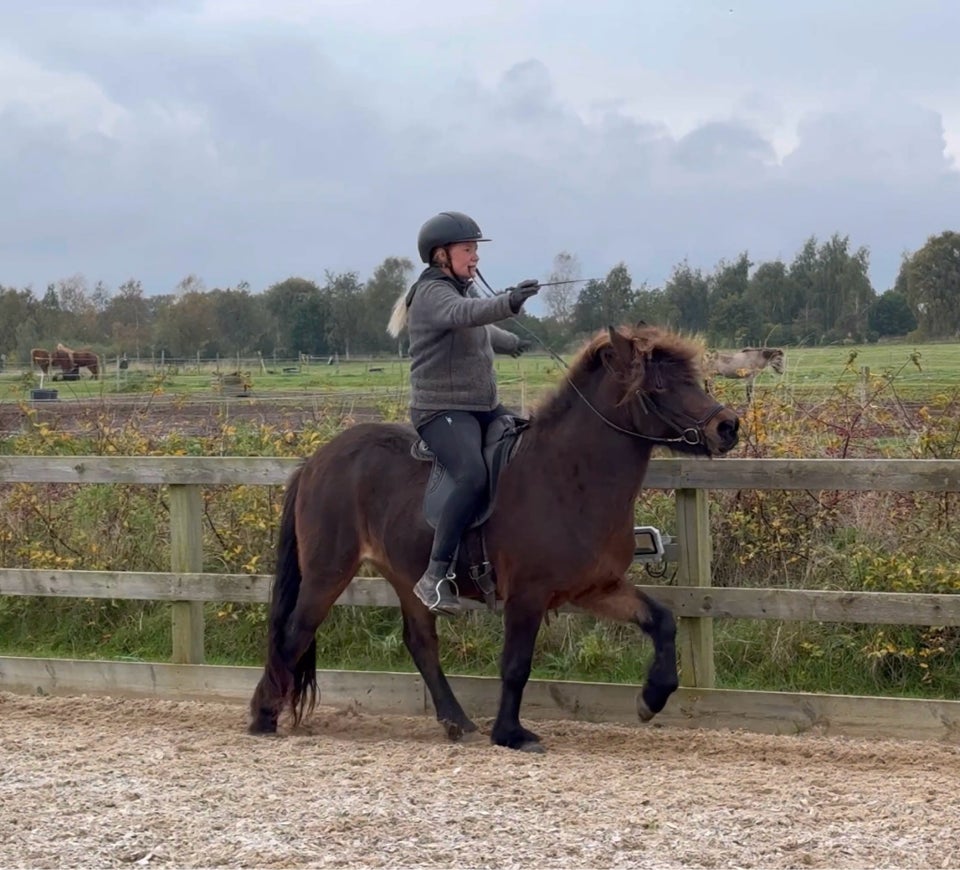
x: 650, y: 304
x: 773, y: 294
x: 832, y: 289
x: 605, y: 303
x: 933, y: 285
x: 804, y: 275
x: 239, y: 317
x: 390, y: 280
x: 733, y: 319
x: 891, y: 315
x: 49, y: 316
x: 17, y: 308
x: 127, y: 319
x: 845, y: 292
x: 688, y: 297
x: 561, y: 298
x: 730, y: 280
x: 735, y: 322
x: 301, y: 317
x: 187, y: 326
x: 344, y: 293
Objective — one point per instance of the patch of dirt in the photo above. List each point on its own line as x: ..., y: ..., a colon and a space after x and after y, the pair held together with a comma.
x: 194, y: 417
x: 112, y: 782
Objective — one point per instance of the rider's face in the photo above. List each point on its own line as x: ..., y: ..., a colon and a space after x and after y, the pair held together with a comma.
x: 464, y: 259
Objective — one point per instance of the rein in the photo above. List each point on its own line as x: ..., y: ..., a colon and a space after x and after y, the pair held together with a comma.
x: 692, y: 435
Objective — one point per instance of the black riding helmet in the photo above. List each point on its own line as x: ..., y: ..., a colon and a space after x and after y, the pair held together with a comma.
x: 447, y: 228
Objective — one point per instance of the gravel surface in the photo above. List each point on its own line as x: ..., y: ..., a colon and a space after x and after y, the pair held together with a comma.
x: 113, y: 782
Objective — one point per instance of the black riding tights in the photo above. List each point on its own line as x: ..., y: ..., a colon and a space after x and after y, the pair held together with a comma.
x: 456, y: 437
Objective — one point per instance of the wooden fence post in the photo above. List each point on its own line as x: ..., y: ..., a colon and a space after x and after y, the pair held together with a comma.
x: 694, y: 634
x: 186, y: 557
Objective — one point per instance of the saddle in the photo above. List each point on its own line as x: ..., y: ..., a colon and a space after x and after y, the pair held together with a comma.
x: 500, y: 442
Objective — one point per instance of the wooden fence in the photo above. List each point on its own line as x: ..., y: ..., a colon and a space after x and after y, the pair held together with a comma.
x: 692, y: 598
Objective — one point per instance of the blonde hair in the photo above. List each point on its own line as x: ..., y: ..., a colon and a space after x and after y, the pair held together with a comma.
x: 398, y: 317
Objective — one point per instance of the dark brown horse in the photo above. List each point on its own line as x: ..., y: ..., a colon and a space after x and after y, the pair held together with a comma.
x: 561, y: 530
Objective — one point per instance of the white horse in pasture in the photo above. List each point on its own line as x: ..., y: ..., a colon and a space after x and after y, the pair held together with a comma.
x: 745, y: 364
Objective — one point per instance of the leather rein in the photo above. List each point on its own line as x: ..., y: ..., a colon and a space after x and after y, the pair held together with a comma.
x: 691, y: 433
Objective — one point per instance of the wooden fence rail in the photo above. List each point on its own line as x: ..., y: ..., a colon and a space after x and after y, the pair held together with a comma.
x: 692, y: 598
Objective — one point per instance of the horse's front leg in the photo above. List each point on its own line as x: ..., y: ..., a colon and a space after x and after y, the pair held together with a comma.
x: 521, y: 622
x: 625, y: 603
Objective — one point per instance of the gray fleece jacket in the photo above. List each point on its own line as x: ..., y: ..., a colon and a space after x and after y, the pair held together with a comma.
x: 452, y: 343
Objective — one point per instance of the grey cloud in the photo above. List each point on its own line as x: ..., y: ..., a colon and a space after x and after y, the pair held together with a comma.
x: 886, y: 140
x: 253, y: 155
x: 721, y: 145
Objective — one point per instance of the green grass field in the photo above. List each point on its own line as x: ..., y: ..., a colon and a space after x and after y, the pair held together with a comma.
x: 919, y: 371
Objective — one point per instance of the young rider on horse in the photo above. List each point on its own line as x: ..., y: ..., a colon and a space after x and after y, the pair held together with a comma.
x: 452, y: 379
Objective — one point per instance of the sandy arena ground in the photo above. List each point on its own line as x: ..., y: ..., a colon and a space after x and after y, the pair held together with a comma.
x: 114, y: 782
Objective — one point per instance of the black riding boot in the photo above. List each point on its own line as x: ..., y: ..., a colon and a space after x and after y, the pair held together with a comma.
x: 437, y: 590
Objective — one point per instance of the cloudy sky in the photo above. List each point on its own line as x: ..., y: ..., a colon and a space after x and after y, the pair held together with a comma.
x: 251, y: 140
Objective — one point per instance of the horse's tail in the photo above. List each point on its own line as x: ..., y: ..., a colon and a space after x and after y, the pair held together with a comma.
x: 398, y: 317
x: 283, y: 600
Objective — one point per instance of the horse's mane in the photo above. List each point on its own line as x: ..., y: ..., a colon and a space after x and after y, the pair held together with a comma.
x: 646, y: 339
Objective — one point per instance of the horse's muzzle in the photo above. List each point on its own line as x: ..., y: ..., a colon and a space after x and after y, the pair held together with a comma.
x: 723, y: 432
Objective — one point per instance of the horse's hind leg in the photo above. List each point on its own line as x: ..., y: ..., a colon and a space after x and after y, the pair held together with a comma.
x: 290, y: 674
x: 420, y: 637
x: 626, y: 603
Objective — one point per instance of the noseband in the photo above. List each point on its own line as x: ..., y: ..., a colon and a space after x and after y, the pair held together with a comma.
x: 693, y: 434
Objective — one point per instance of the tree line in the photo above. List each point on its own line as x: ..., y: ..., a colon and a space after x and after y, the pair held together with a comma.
x: 822, y: 296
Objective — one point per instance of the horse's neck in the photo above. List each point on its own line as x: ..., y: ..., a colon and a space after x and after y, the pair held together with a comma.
x: 578, y: 442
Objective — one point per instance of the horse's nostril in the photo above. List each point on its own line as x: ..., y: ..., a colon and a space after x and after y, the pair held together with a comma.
x: 728, y: 430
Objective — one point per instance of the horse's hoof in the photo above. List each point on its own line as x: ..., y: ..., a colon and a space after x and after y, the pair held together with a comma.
x: 263, y: 725
x: 458, y: 729
x: 522, y: 740
x: 454, y: 730
x: 643, y: 711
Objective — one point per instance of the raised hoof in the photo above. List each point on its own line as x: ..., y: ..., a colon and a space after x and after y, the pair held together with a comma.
x: 643, y: 711
x: 458, y: 730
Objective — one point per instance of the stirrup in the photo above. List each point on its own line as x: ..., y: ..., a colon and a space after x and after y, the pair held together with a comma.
x: 434, y: 599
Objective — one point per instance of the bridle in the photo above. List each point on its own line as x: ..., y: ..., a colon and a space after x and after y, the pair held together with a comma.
x: 692, y: 434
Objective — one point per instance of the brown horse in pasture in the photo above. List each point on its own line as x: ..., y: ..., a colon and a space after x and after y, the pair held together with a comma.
x: 68, y: 361
x: 71, y: 361
x: 40, y: 357
x: 561, y: 530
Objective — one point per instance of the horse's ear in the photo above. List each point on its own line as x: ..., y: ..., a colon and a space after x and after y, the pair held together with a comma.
x: 622, y: 347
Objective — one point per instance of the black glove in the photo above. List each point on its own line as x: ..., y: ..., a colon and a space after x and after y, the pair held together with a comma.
x: 522, y: 347
x: 521, y: 293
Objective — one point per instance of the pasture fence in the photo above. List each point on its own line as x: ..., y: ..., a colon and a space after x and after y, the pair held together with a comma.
x: 692, y: 597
